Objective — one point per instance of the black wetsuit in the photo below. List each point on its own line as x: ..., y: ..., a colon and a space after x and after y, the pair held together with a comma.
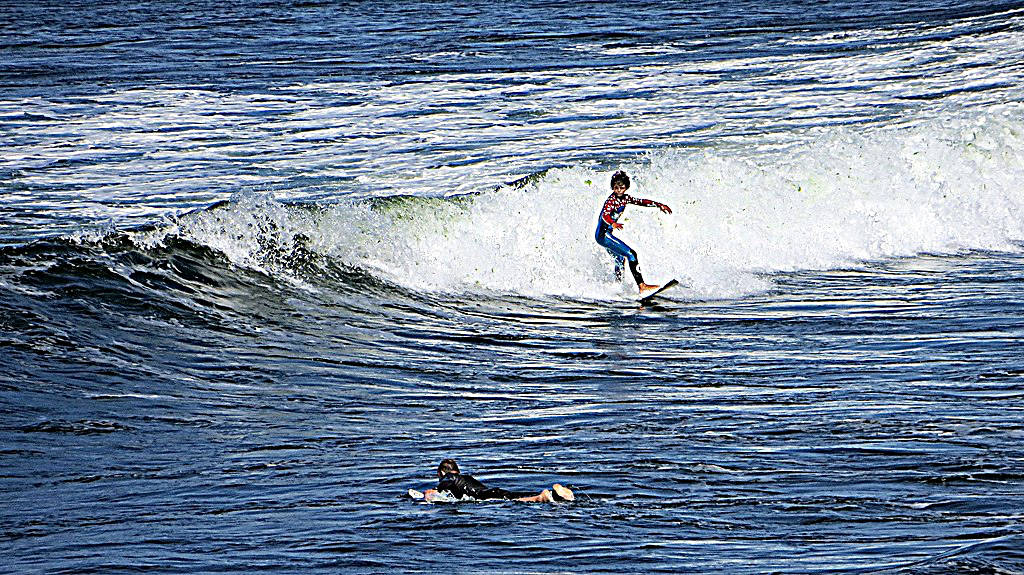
x: 460, y: 485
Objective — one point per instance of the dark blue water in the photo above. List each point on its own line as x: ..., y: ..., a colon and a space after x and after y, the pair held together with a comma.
x: 259, y: 274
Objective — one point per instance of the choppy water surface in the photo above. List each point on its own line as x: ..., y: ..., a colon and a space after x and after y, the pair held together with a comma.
x: 853, y: 419
x: 260, y: 274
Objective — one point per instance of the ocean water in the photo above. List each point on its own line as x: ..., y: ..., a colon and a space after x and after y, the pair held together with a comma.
x: 263, y: 265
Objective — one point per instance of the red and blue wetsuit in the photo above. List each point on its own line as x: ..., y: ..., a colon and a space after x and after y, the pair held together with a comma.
x: 613, y: 208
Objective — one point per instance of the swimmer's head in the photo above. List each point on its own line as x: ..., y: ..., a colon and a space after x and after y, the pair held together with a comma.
x: 620, y: 180
x: 447, y: 467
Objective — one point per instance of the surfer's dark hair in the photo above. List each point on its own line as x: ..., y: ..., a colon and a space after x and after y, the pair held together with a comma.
x: 620, y: 176
x: 447, y: 466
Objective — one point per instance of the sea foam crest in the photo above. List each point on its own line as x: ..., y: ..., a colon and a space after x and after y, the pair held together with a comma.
x: 836, y: 198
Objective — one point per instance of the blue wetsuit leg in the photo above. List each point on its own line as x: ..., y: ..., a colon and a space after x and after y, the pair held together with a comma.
x: 617, y: 247
x: 622, y: 253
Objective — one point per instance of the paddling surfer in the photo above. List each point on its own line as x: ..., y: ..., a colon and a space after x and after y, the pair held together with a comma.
x: 459, y: 486
x: 608, y: 222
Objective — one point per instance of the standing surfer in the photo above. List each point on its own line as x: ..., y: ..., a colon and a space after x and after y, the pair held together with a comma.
x: 608, y: 222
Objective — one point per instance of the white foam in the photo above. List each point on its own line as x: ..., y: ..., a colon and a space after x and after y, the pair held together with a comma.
x: 839, y: 197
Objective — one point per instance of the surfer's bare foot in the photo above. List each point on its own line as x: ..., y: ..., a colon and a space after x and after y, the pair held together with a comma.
x: 563, y: 493
x: 647, y: 287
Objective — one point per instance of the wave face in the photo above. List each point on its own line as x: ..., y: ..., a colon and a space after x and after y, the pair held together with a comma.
x: 263, y: 267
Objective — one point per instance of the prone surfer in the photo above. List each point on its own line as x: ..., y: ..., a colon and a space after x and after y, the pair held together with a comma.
x: 459, y: 486
x: 608, y: 222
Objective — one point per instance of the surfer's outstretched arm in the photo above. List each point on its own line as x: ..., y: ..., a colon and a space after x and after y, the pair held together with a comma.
x: 647, y: 203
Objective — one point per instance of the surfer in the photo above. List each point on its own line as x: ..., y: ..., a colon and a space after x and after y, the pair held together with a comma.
x: 459, y: 486
x: 608, y: 222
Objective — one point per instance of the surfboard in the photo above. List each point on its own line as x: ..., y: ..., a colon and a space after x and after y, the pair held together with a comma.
x: 647, y: 298
x: 442, y: 497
